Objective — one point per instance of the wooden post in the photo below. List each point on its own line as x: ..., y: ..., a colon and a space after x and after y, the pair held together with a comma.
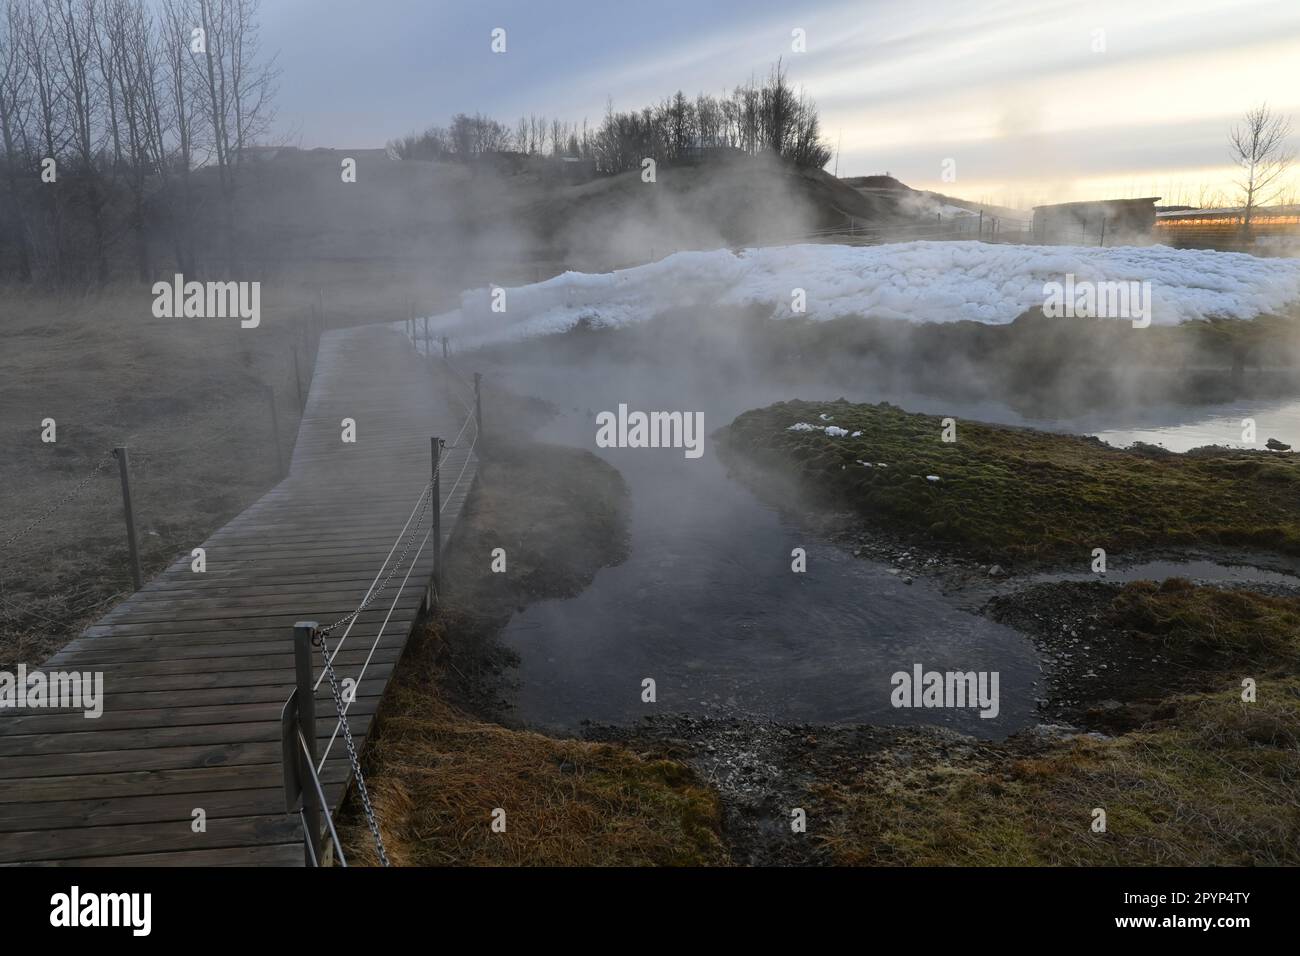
x: 1102, y: 241
x: 306, y: 684
x: 435, y: 502
x: 478, y: 407
x: 275, y: 431
x: 981, y: 224
x: 444, y: 348
x: 124, y: 469
x: 297, y: 377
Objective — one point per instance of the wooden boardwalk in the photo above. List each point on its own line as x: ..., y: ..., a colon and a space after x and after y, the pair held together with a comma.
x: 198, y: 666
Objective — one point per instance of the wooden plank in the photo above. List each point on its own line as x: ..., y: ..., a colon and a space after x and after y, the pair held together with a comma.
x: 282, y: 854
x: 136, y: 783
x: 33, y: 846
x: 167, y: 758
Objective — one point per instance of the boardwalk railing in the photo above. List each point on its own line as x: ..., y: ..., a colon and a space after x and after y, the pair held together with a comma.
x: 304, y: 793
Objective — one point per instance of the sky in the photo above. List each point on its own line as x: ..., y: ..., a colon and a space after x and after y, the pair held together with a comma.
x: 1010, y: 102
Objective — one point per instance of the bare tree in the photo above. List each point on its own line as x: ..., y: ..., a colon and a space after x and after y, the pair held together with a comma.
x: 1258, y: 146
x: 107, y: 108
x: 135, y: 57
x: 179, y: 92
x: 48, y: 122
x: 75, y: 27
x: 238, y: 91
x: 14, y: 82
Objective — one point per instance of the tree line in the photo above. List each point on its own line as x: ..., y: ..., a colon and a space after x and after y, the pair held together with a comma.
x: 107, y: 110
x: 768, y: 116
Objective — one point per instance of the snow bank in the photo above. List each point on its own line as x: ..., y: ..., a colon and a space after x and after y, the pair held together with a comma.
x: 909, y: 281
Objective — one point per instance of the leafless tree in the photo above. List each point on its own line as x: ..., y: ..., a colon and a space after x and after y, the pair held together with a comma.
x: 75, y: 25
x: 1259, y: 148
x: 14, y: 88
x: 178, y: 104
x: 238, y: 90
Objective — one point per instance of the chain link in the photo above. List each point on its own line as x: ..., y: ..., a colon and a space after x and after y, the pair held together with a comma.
x: 99, y: 466
x: 341, y: 709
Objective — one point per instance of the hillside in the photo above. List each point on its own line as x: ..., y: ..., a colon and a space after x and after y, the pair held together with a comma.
x: 460, y: 219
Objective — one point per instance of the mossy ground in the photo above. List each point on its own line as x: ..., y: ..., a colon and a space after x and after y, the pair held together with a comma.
x: 1007, y: 494
x: 1210, y: 779
x: 1216, y: 783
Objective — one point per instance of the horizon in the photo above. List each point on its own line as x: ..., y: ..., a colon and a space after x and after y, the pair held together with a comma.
x: 1027, y: 103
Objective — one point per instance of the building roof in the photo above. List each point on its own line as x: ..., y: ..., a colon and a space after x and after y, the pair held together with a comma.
x: 1093, y: 203
x: 1222, y: 213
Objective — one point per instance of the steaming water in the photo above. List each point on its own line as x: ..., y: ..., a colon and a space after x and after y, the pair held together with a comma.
x: 707, y: 605
x: 1179, y: 428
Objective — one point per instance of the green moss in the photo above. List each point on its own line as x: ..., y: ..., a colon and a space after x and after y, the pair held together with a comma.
x: 1007, y: 493
x: 1213, y: 785
x: 1195, y: 621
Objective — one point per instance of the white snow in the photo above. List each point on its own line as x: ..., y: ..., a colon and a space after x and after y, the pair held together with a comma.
x: 834, y: 431
x: 910, y: 281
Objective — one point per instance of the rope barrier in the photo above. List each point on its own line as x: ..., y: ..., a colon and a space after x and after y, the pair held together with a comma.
x: 99, y: 466
x: 342, y: 723
x: 410, y: 529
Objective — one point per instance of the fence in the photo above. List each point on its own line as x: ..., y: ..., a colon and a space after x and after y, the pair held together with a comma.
x: 302, y: 765
x: 309, y: 330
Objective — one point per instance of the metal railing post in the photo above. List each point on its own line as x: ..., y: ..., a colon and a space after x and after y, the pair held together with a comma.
x: 124, y: 469
x: 306, y: 697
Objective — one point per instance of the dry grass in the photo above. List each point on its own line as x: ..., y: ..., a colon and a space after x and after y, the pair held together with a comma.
x: 1201, y: 621
x: 436, y: 779
x: 188, y: 396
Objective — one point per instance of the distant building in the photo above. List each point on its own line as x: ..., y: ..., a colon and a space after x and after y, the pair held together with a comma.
x: 1103, y: 221
x: 1224, y: 228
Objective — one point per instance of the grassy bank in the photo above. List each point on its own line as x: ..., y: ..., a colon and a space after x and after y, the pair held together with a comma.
x: 1005, y: 494
x: 1208, y: 779
x: 437, y: 769
x: 1212, y: 784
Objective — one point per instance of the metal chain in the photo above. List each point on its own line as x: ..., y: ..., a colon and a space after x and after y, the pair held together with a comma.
x: 339, y: 707
x: 99, y: 466
x: 369, y: 598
